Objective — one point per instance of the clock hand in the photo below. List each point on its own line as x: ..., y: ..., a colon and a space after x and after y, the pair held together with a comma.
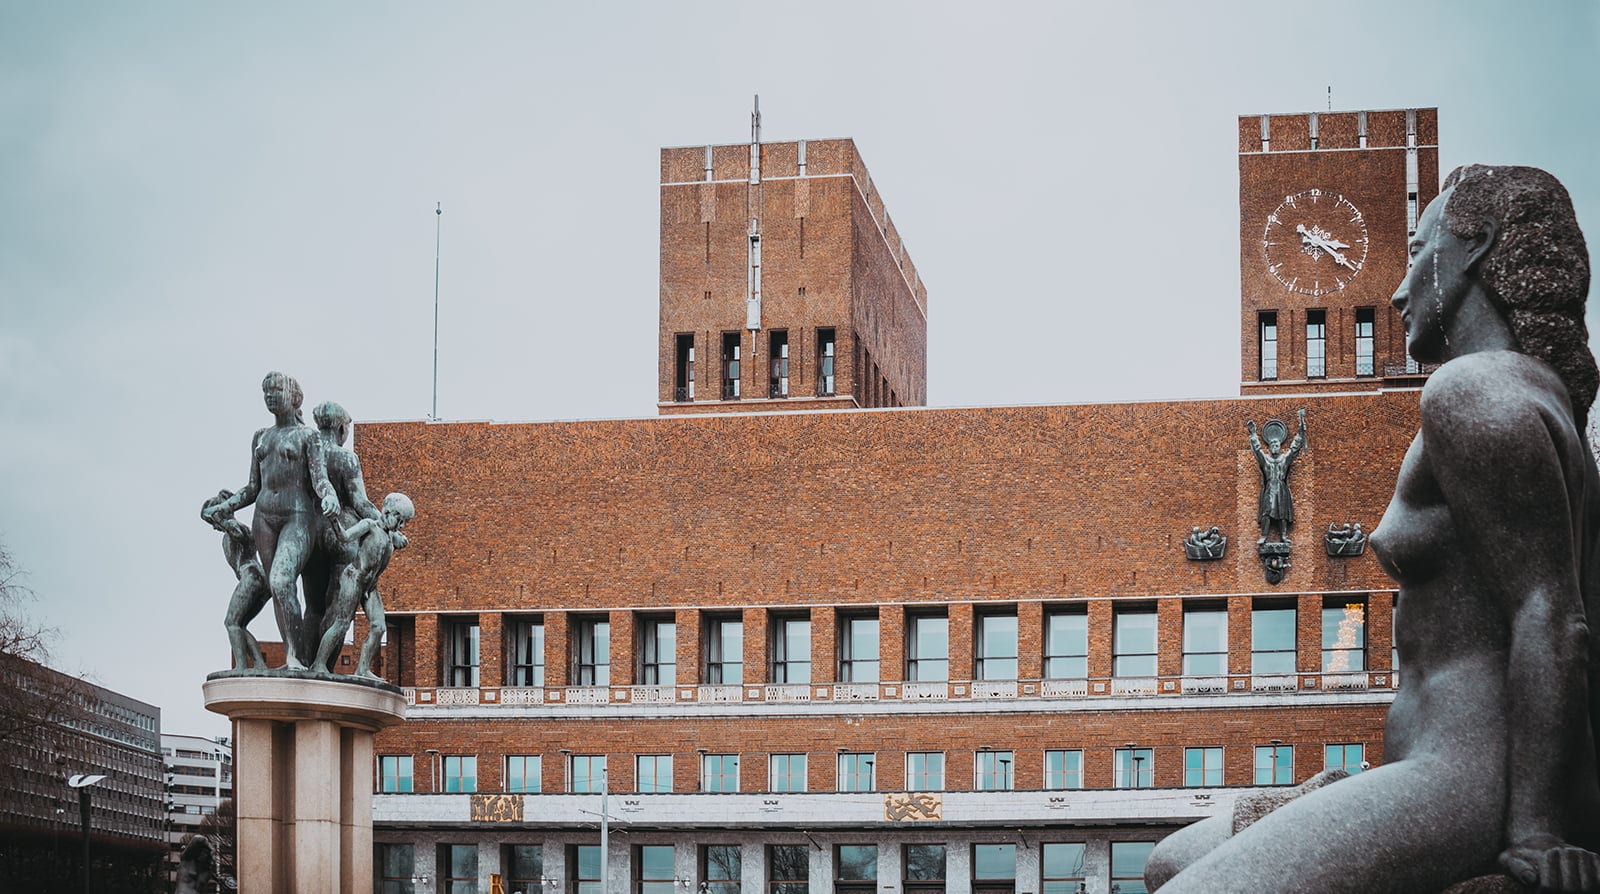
x: 1326, y: 245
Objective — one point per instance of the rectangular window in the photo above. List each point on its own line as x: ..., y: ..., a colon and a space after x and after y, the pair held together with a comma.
x: 522, y: 773
x: 1066, y: 646
x: 1364, y: 340
x: 1316, y: 343
x: 460, y: 773
x: 683, y: 370
x: 1133, y: 643
x: 778, y: 354
x: 1348, y: 758
x: 653, y: 869
x: 593, y: 652
x: 856, y: 862
x: 1127, y: 865
x: 928, y: 648
x: 394, y: 773
x: 825, y: 359
x: 724, y: 651
x: 722, y: 869
x: 461, y: 653
x: 858, y: 650
x: 997, y: 647
x: 925, y: 771
x: 653, y: 773
x: 658, y: 652
x: 993, y: 771
x: 587, y: 773
x: 1063, y: 769
x: 1205, y: 641
x: 1202, y: 767
x: 396, y: 869
x: 730, y: 365
x: 787, y: 773
x: 994, y: 863
x: 1132, y: 768
x: 855, y: 772
x: 791, y: 650
x: 523, y: 865
x: 788, y: 869
x: 1344, y: 635
x: 1272, y: 635
x: 583, y: 869
x: 719, y: 772
x: 458, y: 868
x: 1267, y: 339
x: 527, y: 653
x: 924, y: 868
x: 1274, y: 765
x: 1061, y: 865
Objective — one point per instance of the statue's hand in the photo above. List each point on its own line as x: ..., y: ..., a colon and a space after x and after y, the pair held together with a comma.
x: 1549, y: 864
x: 330, y: 506
x: 398, y: 539
x: 1250, y: 425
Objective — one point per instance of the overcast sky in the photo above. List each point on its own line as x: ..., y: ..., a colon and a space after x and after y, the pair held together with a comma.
x: 193, y: 194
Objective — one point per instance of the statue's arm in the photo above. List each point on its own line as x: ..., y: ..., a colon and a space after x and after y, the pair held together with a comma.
x: 1255, y: 446
x: 317, y: 465
x: 246, y: 495
x: 1494, y: 451
x: 356, y: 489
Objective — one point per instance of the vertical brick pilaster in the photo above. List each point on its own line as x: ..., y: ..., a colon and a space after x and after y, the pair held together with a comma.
x: 1030, y: 643
x: 1380, y: 631
x: 491, y: 651
x: 557, y: 651
x: 426, y: 657
x: 624, y: 651
x: 824, y: 646
x: 1100, y: 622
x: 689, y: 669
x: 891, y: 643
x: 1169, y: 638
x: 961, y: 633
x: 1239, y: 642
x: 1308, y: 633
x: 756, y: 665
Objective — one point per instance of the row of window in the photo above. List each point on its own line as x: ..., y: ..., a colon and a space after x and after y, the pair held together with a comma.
x: 732, y: 374
x: 1316, y: 343
x: 1065, y: 642
x: 653, y: 868
x: 1132, y: 767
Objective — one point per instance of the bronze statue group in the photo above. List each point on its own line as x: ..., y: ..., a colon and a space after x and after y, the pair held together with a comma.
x: 314, y: 530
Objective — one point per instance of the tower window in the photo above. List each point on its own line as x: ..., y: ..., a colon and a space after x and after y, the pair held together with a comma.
x: 1316, y: 343
x: 725, y: 651
x: 683, y: 374
x: 1267, y: 339
x: 1364, y: 322
x: 593, y: 652
x: 826, y: 348
x: 527, y: 653
x: 730, y: 365
x: 778, y: 353
x: 658, y: 652
x: 461, y: 653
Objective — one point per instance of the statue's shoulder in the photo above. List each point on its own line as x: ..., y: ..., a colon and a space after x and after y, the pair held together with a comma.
x: 1490, y: 399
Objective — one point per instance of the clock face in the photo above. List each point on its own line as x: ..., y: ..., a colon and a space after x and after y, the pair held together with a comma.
x: 1315, y: 242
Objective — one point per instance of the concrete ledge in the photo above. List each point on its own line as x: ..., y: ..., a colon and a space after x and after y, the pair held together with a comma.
x: 290, y: 699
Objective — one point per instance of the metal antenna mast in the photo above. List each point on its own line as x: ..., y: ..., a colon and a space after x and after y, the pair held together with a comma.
x: 438, y: 218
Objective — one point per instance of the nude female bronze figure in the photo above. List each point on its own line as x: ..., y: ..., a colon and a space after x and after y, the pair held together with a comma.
x: 1489, y: 748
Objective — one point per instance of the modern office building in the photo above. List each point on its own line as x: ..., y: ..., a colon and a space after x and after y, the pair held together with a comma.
x: 796, y: 635
x: 60, y: 727
x: 199, y: 777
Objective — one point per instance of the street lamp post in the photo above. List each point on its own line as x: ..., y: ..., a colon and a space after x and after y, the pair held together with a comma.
x: 82, y: 782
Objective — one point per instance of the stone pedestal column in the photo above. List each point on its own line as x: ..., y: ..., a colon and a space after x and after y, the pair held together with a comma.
x: 303, y: 777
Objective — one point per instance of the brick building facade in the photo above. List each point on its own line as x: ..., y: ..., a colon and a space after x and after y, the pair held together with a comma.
x: 879, y: 649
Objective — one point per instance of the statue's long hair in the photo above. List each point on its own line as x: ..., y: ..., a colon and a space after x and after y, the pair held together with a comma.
x: 1537, y: 271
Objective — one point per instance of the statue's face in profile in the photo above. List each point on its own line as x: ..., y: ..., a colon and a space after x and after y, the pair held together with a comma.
x: 1431, y: 292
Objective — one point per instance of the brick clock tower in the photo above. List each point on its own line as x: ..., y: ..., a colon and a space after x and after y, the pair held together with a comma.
x: 784, y: 285
x: 1327, y: 203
